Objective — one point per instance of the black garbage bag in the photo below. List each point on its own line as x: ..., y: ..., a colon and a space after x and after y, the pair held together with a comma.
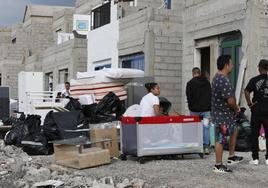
x: 16, y: 134
x: 110, y: 104
x: 243, y: 137
x: 102, y: 118
x: 37, y: 145
x: 21, y: 129
x: 61, y: 125
x: 120, y: 110
x: 73, y: 105
x: 22, y: 117
x: 89, y: 110
x: 50, y: 128
x: 67, y: 121
x: 165, y: 105
x: 12, y: 120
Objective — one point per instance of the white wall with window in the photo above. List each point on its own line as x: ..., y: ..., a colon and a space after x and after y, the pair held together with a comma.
x: 104, y: 35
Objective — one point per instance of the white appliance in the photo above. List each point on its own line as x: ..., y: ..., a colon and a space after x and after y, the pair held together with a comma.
x: 28, y: 82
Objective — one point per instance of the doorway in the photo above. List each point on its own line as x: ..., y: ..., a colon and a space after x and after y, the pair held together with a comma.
x: 231, y: 45
x: 205, y: 62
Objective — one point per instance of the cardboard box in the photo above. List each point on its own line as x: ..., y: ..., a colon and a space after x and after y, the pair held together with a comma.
x: 107, y: 133
x: 69, y: 156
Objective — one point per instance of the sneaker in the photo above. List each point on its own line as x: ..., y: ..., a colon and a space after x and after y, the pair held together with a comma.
x: 255, y: 162
x: 221, y: 169
x: 206, y: 151
x: 266, y: 161
x: 234, y: 160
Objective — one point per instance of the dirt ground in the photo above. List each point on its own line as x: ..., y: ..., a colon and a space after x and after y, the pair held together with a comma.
x: 20, y: 170
x: 188, y: 172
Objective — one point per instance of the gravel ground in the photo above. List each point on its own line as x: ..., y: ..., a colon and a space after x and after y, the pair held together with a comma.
x: 20, y: 170
x: 188, y: 172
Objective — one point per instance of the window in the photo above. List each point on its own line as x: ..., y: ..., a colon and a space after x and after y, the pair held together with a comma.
x: 63, y: 76
x: 14, y: 41
x: 101, y: 15
x: 0, y: 79
x: 99, y: 67
x: 167, y: 4
x: 48, y: 80
x: 135, y: 61
x: 231, y: 45
x: 58, y: 30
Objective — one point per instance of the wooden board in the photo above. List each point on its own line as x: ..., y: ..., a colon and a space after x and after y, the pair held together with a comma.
x: 109, y: 133
x: 68, y: 155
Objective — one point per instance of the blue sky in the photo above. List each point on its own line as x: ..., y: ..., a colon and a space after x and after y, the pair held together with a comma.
x: 11, y: 11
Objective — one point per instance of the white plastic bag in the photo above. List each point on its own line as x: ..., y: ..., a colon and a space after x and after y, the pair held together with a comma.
x: 262, y: 143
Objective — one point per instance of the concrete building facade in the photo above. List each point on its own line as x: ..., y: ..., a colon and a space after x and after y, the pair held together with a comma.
x: 164, y: 40
x: 212, y: 28
x: 33, y: 46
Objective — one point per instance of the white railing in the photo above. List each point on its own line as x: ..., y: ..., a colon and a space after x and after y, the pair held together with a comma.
x: 44, y: 99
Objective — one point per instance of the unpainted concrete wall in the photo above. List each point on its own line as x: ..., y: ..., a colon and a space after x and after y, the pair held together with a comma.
x: 158, y: 34
x: 71, y: 55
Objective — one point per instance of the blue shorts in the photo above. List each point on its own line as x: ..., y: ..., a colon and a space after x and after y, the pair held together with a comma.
x: 221, y: 135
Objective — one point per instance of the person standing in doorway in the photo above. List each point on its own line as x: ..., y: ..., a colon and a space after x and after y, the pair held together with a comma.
x: 259, y: 109
x: 66, y: 92
x: 224, y: 109
x: 198, y: 93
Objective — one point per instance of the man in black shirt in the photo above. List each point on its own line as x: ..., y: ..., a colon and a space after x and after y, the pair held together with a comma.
x: 198, y: 93
x: 259, y: 109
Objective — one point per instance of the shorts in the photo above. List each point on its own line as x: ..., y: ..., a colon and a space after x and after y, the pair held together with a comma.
x: 223, y: 131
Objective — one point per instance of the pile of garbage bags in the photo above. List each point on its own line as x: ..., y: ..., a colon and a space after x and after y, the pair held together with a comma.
x: 34, y: 138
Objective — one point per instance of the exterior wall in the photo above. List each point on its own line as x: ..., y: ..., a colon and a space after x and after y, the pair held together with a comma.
x: 263, y: 25
x: 71, y: 55
x: 85, y: 6
x: 168, y: 32
x: 132, y: 29
x: 9, y: 70
x: 102, y: 42
x: 32, y: 36
x: 34, y: 63
x: 63, y: 20
x: 207, y: 21
x: 5, y: 38
x: 12, y: 57
x: 158, y: 34
x: 175, y: 4
x: 40, y: 31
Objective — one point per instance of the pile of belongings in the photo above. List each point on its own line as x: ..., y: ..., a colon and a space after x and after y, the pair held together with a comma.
x: 35, y: 138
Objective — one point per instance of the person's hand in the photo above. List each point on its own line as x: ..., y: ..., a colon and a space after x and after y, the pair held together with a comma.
x: 252, y: 104
x: 237, y: 110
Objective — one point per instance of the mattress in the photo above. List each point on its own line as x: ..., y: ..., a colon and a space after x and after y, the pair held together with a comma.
x: 99, y: 90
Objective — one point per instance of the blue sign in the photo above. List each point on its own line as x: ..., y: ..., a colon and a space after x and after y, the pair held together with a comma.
x: 82, y: 25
